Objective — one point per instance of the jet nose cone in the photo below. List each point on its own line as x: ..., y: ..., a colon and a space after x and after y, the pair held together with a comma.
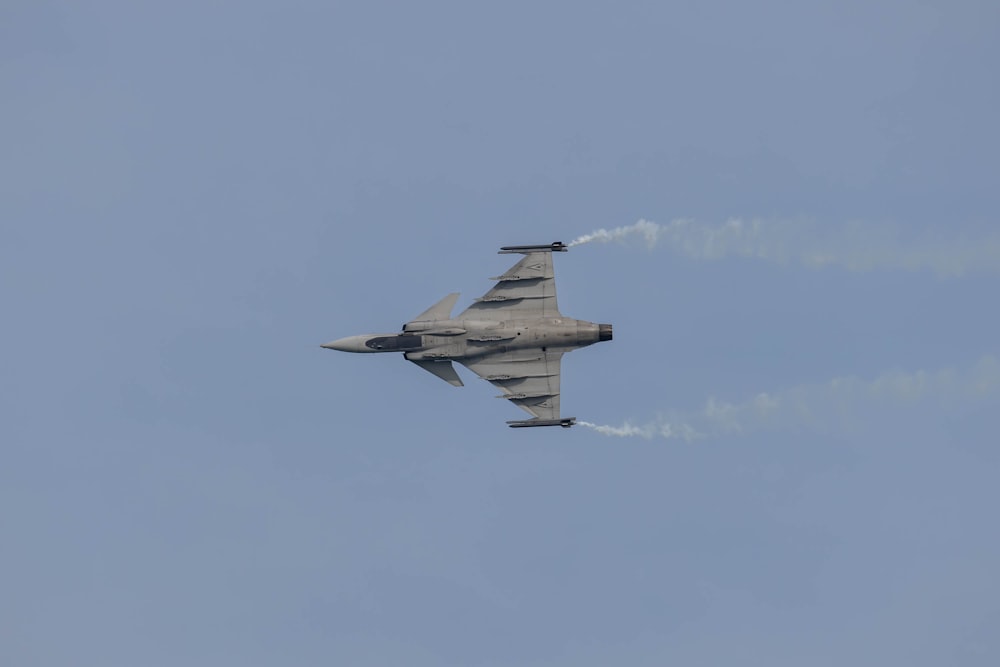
x: 349, y: 344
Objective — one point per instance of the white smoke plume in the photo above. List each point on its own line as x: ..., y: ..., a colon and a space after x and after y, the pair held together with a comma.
x: 660, y: 428
x: 816, y: 405
x: 853, y: 246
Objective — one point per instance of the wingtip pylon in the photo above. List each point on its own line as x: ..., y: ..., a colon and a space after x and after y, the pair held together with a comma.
x: 555, y: 246
x: 565, y: 422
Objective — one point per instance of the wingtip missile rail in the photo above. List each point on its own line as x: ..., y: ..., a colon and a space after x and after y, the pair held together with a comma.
x: 565, y: 422
x: 555, y: 246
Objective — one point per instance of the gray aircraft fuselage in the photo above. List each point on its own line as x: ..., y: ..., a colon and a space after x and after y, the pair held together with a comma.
x: 466, y: 339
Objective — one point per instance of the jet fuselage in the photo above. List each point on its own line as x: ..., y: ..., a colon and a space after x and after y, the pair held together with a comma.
x: 464, y: 339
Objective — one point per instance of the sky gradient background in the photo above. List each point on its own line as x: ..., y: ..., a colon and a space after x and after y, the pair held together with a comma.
x: 194, y: 196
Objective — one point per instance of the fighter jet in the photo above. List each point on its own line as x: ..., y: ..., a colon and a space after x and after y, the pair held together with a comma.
x: 513, y: 336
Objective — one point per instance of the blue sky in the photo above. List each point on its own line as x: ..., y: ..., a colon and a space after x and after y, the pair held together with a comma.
x: 194, y: 196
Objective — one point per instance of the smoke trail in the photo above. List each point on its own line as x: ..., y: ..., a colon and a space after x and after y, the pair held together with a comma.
x: 816, y: 405
x: 854, y: 246
x: 659, y: 428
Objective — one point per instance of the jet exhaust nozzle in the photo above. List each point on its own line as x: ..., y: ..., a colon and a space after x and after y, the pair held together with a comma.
x: 604, y: 332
